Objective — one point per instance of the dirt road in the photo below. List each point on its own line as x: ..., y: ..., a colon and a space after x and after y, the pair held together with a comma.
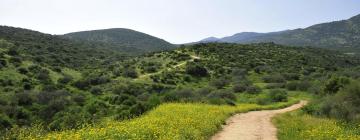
x: 254, y: 125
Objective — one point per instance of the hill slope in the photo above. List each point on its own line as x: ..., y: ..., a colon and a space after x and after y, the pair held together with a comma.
x: 54, y: 50
x: 345, y: 33
x: 123, y: 39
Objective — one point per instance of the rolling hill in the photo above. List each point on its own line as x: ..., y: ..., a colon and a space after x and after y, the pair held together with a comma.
x: 123, y: 40
x: 340, y: 34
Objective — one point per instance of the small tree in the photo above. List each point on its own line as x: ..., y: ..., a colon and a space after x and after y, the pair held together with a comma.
x: 196, y: 70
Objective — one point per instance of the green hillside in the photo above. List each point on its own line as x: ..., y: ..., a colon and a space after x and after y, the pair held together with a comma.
x: 93, y: 87
x: 123, y: 40
x: 54, y: 51
x: 344, y: 34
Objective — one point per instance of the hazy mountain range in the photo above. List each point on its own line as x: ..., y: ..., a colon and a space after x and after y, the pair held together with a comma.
x: 344, y: 33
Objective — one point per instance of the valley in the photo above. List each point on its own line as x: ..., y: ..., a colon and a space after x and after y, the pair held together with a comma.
x: 123, y: 84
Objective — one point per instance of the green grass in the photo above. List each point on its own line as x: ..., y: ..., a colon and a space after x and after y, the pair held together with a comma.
x: 300, y: 126
x: 168, y: 121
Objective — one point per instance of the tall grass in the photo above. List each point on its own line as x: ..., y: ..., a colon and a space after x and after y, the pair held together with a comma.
x: 176, y: 121
x: 300, y: 126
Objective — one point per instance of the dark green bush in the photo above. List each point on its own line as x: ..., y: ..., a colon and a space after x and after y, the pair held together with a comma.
x: 275, y: 78
x: 343, y: 105
x: 196, y: 70
x: 130, y: 72
x: 239, y: 88
x: 275, y: 85
x: 219, y: 83
x: 96, y: 90
x: 253, y: 89
x: 5, y: 122
x: 278, y: 95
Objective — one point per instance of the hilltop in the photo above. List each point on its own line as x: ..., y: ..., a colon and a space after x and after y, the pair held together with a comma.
x: 123, y: 40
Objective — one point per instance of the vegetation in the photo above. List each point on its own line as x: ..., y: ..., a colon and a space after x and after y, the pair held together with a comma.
x: 338, y: 35
x: 122, y: 40
x: 175, y: 121
x: 300, y: 126
x: 79, y: 88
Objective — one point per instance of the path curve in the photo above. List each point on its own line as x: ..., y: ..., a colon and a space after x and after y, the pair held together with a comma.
x: 254, y: 125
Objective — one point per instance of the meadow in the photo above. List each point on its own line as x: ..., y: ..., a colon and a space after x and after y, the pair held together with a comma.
x: 300, y: 126
x: 176, y: 121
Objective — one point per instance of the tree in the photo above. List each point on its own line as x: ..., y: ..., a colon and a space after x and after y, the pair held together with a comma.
x: 196, y: 70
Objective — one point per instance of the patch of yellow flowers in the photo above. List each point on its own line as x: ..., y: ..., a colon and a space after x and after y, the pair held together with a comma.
x: 171, y: 121
x: 297, y: 126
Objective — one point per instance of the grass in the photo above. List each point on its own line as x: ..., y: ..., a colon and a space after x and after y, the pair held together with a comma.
x: 300, y: 126
x: 168, y: 121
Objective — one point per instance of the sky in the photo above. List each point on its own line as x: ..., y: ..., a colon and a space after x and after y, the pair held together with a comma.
x: 177, y: 21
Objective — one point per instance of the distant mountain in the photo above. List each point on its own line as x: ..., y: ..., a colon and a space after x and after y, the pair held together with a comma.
x: 210, y: 39
x: 344, y: 33
x: 122, y: 39
x: 240, y: 37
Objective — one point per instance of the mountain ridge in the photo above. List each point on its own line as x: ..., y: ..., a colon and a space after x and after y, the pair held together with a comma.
x: 342, y: 33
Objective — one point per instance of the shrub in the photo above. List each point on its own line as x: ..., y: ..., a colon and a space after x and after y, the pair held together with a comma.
x: 65, y: 79
x: 223, y: 94
x: 334, y: 84
x: 275, y: 78
x: 204, y: 91
x: 82, y: 84
x: 343, y: 105
x: 170, y: 97
x: 298, y: 85
x: 27, y: 86
x: 96, y: 90
x: 275, y: 85
x: 5, y: 122
x: 13, y: 52
x: 291, y: 76
x: 24, y: 98
x: 22, y: 70
x: 253, y: 89
x: 278, y: 95
x: 303, y: 85
x: 219, y: 83
x: 184, y: 93
x: 239, y: 88
x: 15, y: 60
x: 131, y: 73
x: 196, y: 70
x: 99, y: 80
x: 292, y: 86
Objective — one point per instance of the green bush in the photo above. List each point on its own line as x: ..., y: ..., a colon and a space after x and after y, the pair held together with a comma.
x: 278, y: 95
x: 275, y: 78
x: 275, y: 85
x: 239, y: 88
x: 344, y: 104
x: 130, y: 72
x: 219, y: 83
x: 298, y: 85
x: 196, y: 70
x: 5, y: 122
x: 253, y: 89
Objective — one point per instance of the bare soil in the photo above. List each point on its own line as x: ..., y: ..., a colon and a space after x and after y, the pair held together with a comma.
x: 254, y: 125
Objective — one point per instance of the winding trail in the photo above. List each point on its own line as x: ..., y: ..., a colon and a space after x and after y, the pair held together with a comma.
x: 254, y: 125
x: 193, y: 57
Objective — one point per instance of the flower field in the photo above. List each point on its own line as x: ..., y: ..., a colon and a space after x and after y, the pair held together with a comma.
x: 176, y: 121
x: 298, y: 126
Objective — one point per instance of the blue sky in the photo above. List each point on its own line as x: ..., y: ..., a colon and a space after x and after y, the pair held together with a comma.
x: 177, y: 21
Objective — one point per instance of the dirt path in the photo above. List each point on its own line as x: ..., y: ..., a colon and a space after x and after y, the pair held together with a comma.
x: 174, y: 67
x: 254, y: 125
